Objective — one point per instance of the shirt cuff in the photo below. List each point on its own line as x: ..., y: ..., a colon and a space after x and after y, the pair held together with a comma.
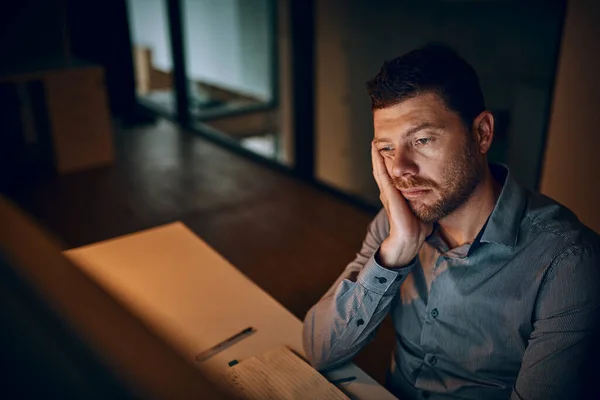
x: 383, y: 280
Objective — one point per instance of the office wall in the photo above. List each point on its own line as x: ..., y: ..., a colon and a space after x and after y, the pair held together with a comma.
x: 38, y: 34
x: 571, y: 169
x: 512, y: 45
x: 91, y: 41
x: 31, y: 31
x: 227, y: 42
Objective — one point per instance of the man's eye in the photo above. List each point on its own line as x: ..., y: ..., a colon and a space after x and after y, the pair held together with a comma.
x: 423, y: 141
x: 386, y: 149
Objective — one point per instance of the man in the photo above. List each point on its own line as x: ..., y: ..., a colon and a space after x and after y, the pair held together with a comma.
x: 493, y: 290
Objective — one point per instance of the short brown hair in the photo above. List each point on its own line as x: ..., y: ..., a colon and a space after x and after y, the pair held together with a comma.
x: 434, y: 68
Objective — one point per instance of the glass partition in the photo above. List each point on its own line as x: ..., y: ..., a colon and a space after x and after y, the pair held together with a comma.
x: 230, y: 60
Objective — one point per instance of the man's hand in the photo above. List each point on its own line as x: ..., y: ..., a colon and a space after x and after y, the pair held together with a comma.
x: 407, y: 232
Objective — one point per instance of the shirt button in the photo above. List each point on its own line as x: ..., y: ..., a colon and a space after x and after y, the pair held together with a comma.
x: 360, y: 322
x: 434, y: 313
x: 381, y: 279
x: 432, y: 360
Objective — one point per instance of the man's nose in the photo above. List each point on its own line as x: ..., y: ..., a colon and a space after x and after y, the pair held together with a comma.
x: 403, y: 164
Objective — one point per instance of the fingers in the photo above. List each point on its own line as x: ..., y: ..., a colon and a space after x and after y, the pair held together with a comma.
x: 387, y: 189
x: 374, y: 161
x: 379, y: 171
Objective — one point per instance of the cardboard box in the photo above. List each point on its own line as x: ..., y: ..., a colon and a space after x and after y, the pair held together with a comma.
x: 75, y: 113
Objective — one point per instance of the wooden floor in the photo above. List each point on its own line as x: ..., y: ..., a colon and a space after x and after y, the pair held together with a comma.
x: 290, y: 238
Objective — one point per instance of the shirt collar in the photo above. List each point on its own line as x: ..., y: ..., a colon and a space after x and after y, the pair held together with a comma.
x: 503, y: 224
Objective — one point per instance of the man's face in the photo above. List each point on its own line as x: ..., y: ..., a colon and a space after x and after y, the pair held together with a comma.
x: 430, y: 155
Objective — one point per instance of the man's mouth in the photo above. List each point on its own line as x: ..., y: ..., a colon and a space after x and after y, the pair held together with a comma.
x: 413, y: 193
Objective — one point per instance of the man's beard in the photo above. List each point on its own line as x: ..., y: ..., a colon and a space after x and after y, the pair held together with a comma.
x: 464, y: 173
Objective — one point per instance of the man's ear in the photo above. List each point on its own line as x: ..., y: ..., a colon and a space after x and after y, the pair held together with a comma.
x: 483, y: 127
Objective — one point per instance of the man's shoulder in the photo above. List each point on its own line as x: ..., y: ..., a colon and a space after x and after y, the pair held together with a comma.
x: 548, y: 220
x: 381, y: 218
x: 380, y: 225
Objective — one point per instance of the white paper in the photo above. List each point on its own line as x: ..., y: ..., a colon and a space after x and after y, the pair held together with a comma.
x: 279, y: 374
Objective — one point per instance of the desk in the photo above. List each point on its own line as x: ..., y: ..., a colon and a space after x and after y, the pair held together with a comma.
x: 194, y: 298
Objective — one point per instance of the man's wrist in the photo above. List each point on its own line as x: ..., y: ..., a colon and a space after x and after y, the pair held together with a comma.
x: 390, y: 255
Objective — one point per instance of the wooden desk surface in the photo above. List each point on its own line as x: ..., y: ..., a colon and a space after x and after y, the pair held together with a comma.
x: 194, y: 299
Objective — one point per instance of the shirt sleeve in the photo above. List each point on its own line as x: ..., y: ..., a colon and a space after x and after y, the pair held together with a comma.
x: 565, y: 322
x: 347, y: 316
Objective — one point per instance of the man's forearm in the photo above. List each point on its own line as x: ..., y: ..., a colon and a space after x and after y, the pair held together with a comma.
x: 340, y: 324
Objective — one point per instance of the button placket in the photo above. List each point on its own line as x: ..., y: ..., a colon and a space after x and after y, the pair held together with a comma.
x: 433, y: 313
